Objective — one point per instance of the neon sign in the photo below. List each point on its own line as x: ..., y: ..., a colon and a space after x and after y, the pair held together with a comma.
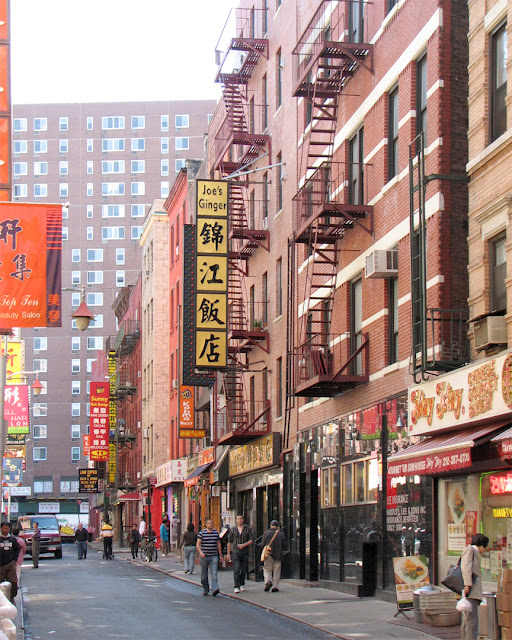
x: 501, y: 484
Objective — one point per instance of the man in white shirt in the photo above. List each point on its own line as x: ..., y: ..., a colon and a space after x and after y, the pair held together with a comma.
x: 142, y: 526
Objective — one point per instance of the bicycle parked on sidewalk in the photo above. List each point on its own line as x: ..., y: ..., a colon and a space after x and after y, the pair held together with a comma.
x: 148, y: 549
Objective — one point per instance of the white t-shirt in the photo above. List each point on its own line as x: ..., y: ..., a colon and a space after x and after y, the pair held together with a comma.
x: 142, y: 528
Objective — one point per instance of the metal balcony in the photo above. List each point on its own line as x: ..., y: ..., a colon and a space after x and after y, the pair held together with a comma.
x: 127, y: 337
x: 241, y: 421
x: 248, y: 325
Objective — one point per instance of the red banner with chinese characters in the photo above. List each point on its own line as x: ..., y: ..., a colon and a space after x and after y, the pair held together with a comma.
x: 99, y: 429
x: 86, y: 445
x: 30, y: 265
x: 186, y: 424
x: 16, y: 408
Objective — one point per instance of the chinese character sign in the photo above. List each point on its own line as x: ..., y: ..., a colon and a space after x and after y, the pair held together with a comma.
x: 15, y: 358
x: 99, y: 429
x: 30, y: 265
x: 16, y: 408
x: 186, y: 424
x: 13, y: 472
x: 211, y: 299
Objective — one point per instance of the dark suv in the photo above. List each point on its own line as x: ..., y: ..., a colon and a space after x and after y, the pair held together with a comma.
x: 50, y: 533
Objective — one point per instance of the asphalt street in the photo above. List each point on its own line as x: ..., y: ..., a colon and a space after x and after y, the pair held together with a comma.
x: 71, y: 599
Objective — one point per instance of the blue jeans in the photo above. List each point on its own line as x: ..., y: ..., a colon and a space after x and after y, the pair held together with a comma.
x: 240, y: 568
x: 212, y: 562
x: 189, y: 554
x: 81, y: 547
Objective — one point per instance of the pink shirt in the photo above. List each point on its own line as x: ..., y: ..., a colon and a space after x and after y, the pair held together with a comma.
x: 23, y: 546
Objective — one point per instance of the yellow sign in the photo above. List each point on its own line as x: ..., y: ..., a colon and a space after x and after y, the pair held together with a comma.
x: 112, y: 463
x: 211, y: 299
x: 260, y: 453
x: 15, y: 360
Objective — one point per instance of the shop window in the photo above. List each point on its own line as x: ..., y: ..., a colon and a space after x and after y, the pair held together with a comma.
x: 328, y: 493
x: 360, y: 481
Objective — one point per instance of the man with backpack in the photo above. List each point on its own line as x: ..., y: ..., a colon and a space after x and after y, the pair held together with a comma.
x: 274, y: 544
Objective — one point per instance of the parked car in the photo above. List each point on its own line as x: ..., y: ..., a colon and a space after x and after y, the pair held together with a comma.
x: 50, y: 533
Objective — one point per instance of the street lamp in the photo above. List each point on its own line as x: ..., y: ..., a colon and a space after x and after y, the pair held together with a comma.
x: 82, y: 315
x: 36, y: 387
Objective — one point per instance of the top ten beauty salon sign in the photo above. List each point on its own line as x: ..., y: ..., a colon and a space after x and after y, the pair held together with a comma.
x: 467, y: 396
x: 30, y: 265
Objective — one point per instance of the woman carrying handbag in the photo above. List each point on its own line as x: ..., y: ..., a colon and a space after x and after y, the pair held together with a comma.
x: 472, y: 577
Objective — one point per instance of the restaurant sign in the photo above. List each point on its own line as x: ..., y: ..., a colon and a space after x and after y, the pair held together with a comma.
x: 171, y: 471
x: 258, y: 454
x: 466, y: 396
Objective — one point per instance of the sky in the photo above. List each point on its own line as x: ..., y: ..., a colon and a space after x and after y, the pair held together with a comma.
x: 115, y: 50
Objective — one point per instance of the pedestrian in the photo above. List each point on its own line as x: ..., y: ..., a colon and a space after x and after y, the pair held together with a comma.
x: 23, y: 550
x: 134, y: 540
x: 36, y: 545
x: 90, y: 532
x: 210, y: 551
x: 274, y: 538
x: 240, y: 538
x: 164, y: 538
x: 9, y: 553
x: 472, y: 576
x: 107, y: 533
x: 81, y: 536
x: 142, y: 526
x: 189, y: 542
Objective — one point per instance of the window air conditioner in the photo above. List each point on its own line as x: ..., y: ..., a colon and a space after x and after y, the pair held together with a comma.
x: 489, y: 331
x: 265, y: 224
x: 145, y: 433
x: 382, y: 264
x: 175, y: 383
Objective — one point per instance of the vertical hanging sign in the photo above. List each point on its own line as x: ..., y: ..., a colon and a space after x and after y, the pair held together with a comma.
x: 98, y: 432
x: 211, y: 299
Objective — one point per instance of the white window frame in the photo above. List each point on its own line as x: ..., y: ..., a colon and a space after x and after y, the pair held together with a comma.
x: 112, y: 144
x: 75, y: 409
x: 63, y: 145
x: 75, y: 256
x: 40, y: 168
x: 63, y: 123
x: 112, y: 210
x: 63, y: 189
x: 164, y: 145
x: 95, y: 299
x: 90, y: 123
x: 135, y: 233
x: 75, y: 343
x: 42, y: 124
x: 93, y: 342
x: 90, y: 211
x: 20, y: 169
x: 43, y: 146
x: 136, y: 144
x: 63, y: 167
x: 90, y: 259
x: 138, y: 188
x: 112, y: 189
x: 41, y: 190
x: 112, y: 233
x: 136, y: 164
x: 43, y: 429
x: 179, y: 143
x: 39, y: 454
x: 138, y: 122
x: 164, y: 123
x: 120, y: 252
x: 19, y: 124
x: 95, y: 277
x: 40, y: 343
x: 184, y: 123
x: 20, y: 190
x: 75, y: 365
x: 20, y: 146
x: 164, y: 167
x: 75, y: 431
x: 108, y: 123
x: 120, y: 278
x: 75, y: 454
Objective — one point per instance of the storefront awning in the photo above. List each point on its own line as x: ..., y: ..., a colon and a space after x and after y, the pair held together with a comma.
x: 441, y: 453
x: 504, y: 442
x: 194, y: 476
x: 221, y: 468
x: 129, y: 497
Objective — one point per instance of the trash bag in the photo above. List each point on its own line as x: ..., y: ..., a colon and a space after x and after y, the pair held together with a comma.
x: 464, y: 605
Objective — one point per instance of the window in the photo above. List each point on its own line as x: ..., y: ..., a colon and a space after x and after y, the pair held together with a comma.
x: 95, y: 299
x: 94, y: 255
x: 279, y: 79
x: 75, y: 454
x: 20, y: 190
x: 43, y: 486
x: 90, y: 211
x: 264, y: 298
x: 112, y: 233
x: 181, y: 121
x: 112, y: 188
x: 279, y: 287
x: 39, y: 409
x: 90, y: 145
x: 393, y: 134
x: 75, y: 387
x: 40, y: 344
x: 164, y: 123
x: 63, y: 146
x: 63, y: 190
x: 75, y: 255
x: 69, y: 486
x: 65, y: 211
x: 75, y: 431
x: 20, y: 169
x: 40, y: 190
x: 40, y: 146
x: 40, y: 431
x: 392, y: 320
x: 135, y: 233
x: 38, y: 454
x: 279, y: 387
x: 75, y: 365
x: 95, y: 343
x: 40, y: 124
x: 90, y: 233
x: 359, y: 481
x: 164, y: 189
x: 96, y: 322
x: 112, y: 122
x: 75, y: 409
x: 75, y: 277
x: 265, y: 195
x: 119, y: 256
x: 356, y: 18
x: 391, y: 4
x: 498, y: 273
x: 120, y: 279
x: 179, y: 165
x: 138, y: 166
x: 40, y: 168
x: 499, y: 82
x: 90, y: 362
x: 41, y: 365
x: 356, y: 323
x: 112, y: 211
x: 20, y: 146
x: 138, y: 122
x: 138, y: 211
x: 355, y: 168
x: 90, y: 189
x: 164, y: 145
x: 421, y: 98
x: 64, y: 234
x: 63, y: 124
x: 63, y: 168
x: 279, y: 186
x: 164, y: 167
x: 95, y: 277
x: 181, y: 144
x: 328, y: 497
x: 90, y: 167
x: 20, y: 124
x: 75, y: 344
x: 264, y: 101
x: 138, y: 188
x: 75, y: 299
x: 112, y: 144
x: 138, y: 144
x: 90, y: 123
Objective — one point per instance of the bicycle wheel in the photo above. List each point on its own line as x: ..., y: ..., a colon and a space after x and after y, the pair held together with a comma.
x: 143, y: 554
x: 155, y: 555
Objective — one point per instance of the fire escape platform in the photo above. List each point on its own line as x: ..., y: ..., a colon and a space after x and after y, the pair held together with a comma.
x: 248, y: 340
x: 253, y: 239
x: 254, y: 48
x: 338, y: 61
x: 324, y: 386
x: 333, y: 219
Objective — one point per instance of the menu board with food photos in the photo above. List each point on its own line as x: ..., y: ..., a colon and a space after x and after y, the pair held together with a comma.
x: 411, y: 573
x: 457, y: 516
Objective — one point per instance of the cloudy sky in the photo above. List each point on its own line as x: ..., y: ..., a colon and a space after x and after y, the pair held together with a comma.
x: 114, y: 50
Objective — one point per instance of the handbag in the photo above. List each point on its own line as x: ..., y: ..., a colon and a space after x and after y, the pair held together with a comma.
x: 265, y: 553
x: 454, y: 580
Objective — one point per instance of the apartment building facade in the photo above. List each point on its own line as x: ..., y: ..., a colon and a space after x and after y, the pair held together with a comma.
x: 106, y: 163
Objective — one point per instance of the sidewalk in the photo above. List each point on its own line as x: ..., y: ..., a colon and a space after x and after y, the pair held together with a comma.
x: 338, y: 614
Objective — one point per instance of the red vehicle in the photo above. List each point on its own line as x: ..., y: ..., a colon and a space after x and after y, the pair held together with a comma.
x: 50, y: 533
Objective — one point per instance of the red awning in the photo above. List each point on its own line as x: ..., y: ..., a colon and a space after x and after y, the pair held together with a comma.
x: 504, y: 442
x: 440, y: 454
x: 128, y: 497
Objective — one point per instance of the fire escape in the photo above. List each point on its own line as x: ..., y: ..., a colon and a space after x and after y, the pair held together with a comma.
x: 238, y: 139
x: 330, y: 202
